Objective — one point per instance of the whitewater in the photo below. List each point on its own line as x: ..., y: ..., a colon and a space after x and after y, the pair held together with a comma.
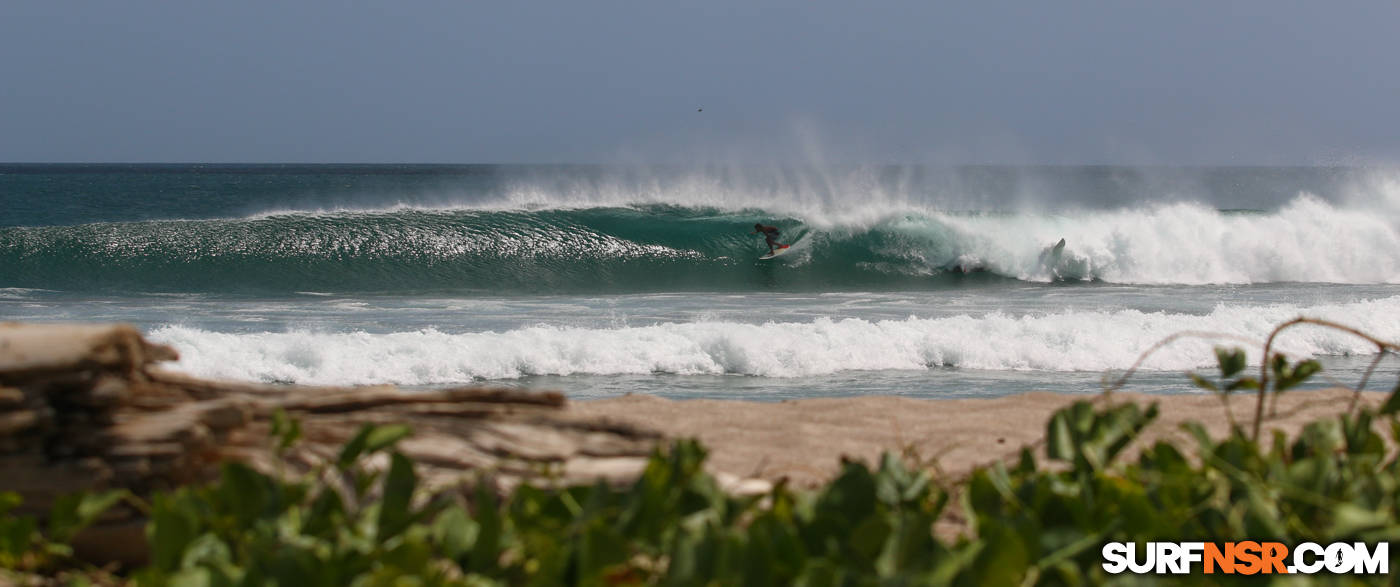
x: 600, y: 281
x: 1063, y: 341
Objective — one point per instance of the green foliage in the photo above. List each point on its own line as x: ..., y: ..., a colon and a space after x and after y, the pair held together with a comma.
x: 673, y: 526
x: 1092, y: 439
x: 24, y: 547
x: 341, y: 524
x: 1288, y: 376
x: 1232, y: 363
x: 285, y: 431
x: 1333, y: 483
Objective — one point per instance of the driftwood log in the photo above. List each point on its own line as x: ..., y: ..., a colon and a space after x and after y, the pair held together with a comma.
x: 83, y: 407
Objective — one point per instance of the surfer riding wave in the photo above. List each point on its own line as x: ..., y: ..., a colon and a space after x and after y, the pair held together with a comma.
x: 770, y: 236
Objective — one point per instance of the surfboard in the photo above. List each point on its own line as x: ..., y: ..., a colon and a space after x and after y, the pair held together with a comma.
x: 1049, y: 255
x: 776, y: 252
x: 1050, y: 258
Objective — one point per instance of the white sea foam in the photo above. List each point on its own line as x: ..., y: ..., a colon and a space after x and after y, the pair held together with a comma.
x: 18, y: 293
x: 1068, y: 341
x: 1307, y: 240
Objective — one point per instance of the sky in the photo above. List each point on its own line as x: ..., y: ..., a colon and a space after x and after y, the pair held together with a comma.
x: 1065, y: 82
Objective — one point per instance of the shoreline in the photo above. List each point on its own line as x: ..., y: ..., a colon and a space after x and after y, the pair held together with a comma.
x: 804, y: 440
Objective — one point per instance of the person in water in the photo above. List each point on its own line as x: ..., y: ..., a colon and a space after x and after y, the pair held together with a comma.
x: 770, y: 235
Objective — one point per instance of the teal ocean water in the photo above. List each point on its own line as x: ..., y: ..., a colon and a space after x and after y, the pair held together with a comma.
x: 921, y: 281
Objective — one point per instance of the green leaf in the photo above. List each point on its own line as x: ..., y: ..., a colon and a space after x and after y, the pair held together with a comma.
x: 486, y: 551
x: 394, y: 512
x: 1204, y: 443
x: 361, y: 481
x: 174, y: 524
x: 1231, y: 361
x: 1350, y: 520
x: 196, y: 577
x: 9, y: 500
x: 248, y: 494
x: 1026, y: 464
x: 851, y: 497
x: 1005, y: 560
x: 1298, y: 374
x: 455, y: 531
x: 1087, y: 542
x: 1306, y: 369
x: 369, y: 439
x: 1242, y: 383
x: 868, y: 537
x: 385, y: 436
x: 17, y: 535
x: 285, y: 430
x: 1091, y: 439
x: 325, y: 516
x: 1059, y: 438
x: 354, y: 447
x: 412, y: 554
x: 207, y: 549
x: 71, y: 513
x: 1279, y: 364
x: 911, y: 547
x: 600, y: 548
x: 1202, y: 382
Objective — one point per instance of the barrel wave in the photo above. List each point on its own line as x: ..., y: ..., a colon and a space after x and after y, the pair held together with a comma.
x: 657, y: 247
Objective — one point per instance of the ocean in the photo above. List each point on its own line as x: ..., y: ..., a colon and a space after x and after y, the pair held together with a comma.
x: 918, y: 281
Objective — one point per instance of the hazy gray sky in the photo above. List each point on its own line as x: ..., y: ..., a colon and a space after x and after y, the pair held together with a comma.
x: 600, y: 81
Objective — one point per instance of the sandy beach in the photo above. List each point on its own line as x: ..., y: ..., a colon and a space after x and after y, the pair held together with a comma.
x: 804, y: 440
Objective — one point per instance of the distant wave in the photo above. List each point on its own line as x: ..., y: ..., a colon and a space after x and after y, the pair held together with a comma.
x: 656, y: 247
x: 1066, y: 341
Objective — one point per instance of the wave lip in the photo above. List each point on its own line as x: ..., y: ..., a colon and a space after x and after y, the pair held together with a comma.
x: 1066, y: 341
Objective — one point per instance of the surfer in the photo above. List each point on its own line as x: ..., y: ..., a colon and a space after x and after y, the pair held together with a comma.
x: 1050, y: 254
x: 770, y: 235
x: 1050, y: 258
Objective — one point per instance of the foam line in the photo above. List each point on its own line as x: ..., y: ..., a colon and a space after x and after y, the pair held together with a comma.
x: 1067, y: 341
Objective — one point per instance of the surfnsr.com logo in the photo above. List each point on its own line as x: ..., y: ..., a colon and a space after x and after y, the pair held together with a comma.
x: 1246, y: 558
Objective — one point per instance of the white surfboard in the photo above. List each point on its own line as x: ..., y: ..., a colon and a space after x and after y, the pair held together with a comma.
x: 776, y: 253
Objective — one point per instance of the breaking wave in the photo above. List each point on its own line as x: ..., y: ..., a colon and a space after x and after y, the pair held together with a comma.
x: 658, y: 247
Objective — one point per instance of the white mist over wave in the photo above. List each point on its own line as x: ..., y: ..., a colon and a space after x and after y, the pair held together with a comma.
x: 1066, y: 341
x: 858, y: 195
x: 17, y: 293
x: 825, y: 199
x: 1307, y: 240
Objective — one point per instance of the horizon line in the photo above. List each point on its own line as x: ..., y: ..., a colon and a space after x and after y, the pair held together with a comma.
x: 695, y: 165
